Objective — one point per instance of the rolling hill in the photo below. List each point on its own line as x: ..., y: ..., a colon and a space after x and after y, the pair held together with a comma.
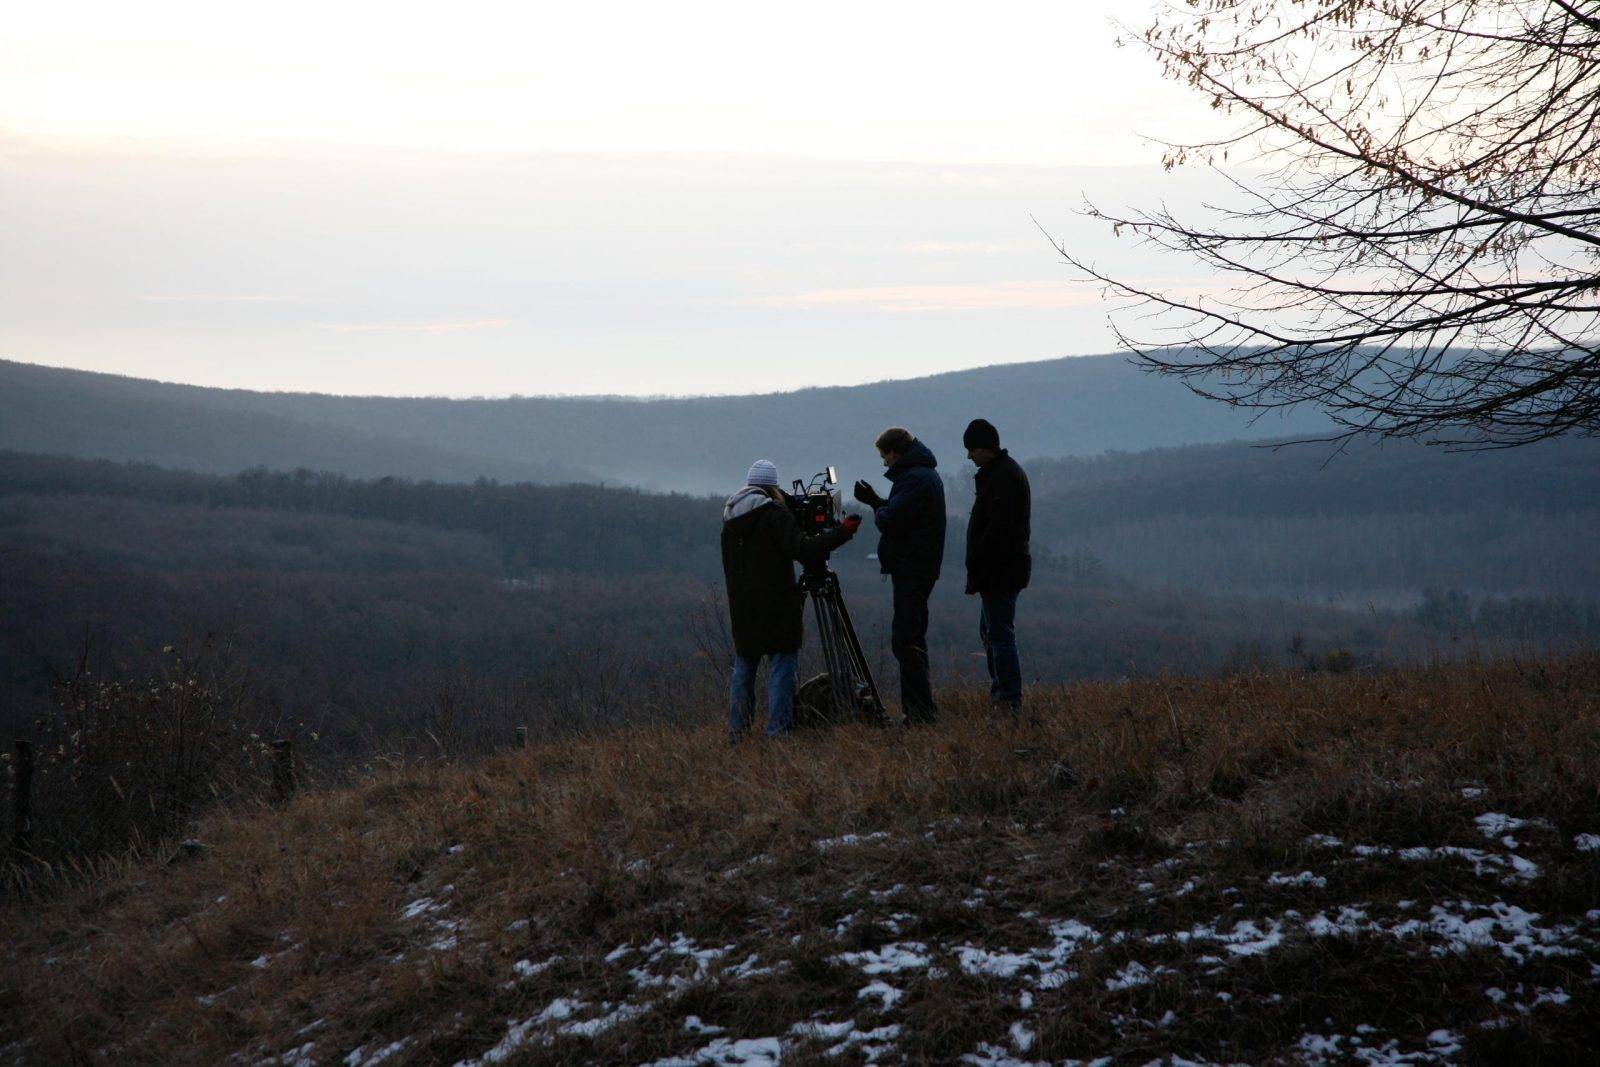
x: 1076, y: 406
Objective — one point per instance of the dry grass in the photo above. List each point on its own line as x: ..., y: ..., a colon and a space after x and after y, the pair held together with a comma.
x: 290, y: 929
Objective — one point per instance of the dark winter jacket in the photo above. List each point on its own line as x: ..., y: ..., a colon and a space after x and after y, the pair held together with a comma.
x: 760, y: 543
x: 912, y: 519
x: 998, y: 532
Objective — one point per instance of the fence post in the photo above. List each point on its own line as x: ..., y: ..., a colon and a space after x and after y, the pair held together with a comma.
x: 522, y: 737
x: 283, y: 769
x: 22, y: 798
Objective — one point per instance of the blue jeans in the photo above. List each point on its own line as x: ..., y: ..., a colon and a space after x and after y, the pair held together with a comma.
x: 997, y: 629
x: 780, y: 693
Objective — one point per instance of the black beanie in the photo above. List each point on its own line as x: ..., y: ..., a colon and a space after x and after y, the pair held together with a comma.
x: 980, y: 434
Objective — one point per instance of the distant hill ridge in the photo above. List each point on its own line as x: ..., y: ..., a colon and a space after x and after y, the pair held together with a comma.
x: 1082, y: 405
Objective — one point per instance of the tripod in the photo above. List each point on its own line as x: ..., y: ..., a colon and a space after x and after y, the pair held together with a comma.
x: 847, y: 691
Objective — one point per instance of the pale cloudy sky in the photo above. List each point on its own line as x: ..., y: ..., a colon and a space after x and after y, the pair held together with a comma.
x: 482, y: 199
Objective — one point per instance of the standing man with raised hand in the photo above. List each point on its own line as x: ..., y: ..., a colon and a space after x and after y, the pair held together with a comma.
x: 910, y: 552
x: 998, y: 562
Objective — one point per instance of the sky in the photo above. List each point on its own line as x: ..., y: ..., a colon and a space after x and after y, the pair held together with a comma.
x: 623, y: 198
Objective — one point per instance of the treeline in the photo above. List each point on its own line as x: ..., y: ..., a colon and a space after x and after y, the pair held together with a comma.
x: 1383, y: 521
x: 533, y: 527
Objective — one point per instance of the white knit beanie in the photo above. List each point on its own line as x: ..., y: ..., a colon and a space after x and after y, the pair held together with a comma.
x: 762, y: 472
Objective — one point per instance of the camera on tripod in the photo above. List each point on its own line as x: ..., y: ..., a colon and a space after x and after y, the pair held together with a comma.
x: 845, y: 691
x: 817, y: 505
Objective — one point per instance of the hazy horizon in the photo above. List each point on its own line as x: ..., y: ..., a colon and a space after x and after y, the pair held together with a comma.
x: 612, y: 201
x: 639, y: 397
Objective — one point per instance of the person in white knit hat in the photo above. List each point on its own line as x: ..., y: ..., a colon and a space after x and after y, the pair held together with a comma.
x: 760, y: 543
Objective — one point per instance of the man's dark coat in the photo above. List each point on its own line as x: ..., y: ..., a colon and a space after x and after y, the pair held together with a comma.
x: 999, y: 529
x: 760, y: 543
x: 911, y: 521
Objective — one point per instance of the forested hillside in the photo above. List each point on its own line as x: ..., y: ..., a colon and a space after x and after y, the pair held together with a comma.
x: 1385, y: 520
x: 390, y: 608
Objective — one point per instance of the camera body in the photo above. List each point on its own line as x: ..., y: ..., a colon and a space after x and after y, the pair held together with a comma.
x: 817, y: 505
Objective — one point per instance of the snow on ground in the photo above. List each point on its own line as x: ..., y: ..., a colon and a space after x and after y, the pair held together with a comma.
x: 1054, y: 953
x: 829, y: 843
x: 1510, y: 867
x: 1442, y: 1047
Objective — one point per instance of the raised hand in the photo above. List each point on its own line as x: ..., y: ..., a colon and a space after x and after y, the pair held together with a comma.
x: 868, y: 495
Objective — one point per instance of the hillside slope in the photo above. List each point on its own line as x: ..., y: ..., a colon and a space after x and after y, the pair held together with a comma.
x: 102, y: 416
x: 1288, y: 867
x: 1077, y: 406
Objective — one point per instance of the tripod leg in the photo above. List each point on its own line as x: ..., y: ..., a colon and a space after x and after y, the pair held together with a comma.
x: 843, y: 673
x: 828, y: 638
x: 853, y: 649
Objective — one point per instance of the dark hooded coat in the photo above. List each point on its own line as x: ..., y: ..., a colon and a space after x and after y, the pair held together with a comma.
x: 998, y: 560
x: 761, y: 541
x: 912, y: 520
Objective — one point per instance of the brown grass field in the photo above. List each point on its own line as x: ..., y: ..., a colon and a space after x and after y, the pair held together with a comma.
x: 1278, y: 867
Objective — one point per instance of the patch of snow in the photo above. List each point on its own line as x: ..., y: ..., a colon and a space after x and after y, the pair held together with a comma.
x: 1245, y: 939
x: 445, y: 938
x: 1348, y: 923
x: 1515, y: 868
x: 988, y: 1055
x: 1442, y: 1046
x: 983, y: 963
x: 295, y: 1057
x: 421, y: 906
x: 1471, y: 792
x: 723, y: 1052
x: 361, y: 1057
x: 559, y: 1008
x: 260, y: 962
x: 527, y: 968
x: 890, y: 959
x: 693, y: 1025
x: 1514, y: 932
x: 1133, y: 975
x: 849, y: 840
x: 681, y: 947
x: 1587, y: 842
x: 1462, y: 926
x: 822, y: 1031
x: 601, y: 1023
x: 1303, y: 878
x: 750, y: 967
x: 888, y: 995
x: 456, y: 850
x: 517, y: 1035
x: 1557, y: 996
x: 1022, y: 1038
x: 1324, y: 841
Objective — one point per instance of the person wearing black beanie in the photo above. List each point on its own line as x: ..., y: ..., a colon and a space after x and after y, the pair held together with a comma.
x: 980, y: 434
x: 998, y: 561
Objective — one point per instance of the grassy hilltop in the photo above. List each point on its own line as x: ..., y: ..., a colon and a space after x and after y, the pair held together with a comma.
x: 1278, y: 866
